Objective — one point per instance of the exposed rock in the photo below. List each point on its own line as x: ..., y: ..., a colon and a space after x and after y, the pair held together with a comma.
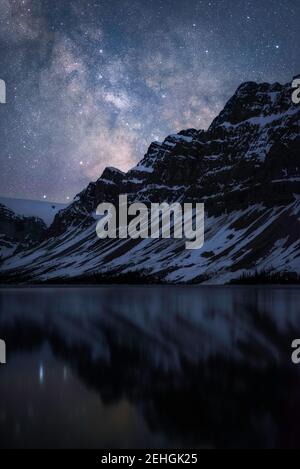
x: 245, y: 168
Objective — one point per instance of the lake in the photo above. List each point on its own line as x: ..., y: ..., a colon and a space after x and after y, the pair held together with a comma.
x: 149, y: 367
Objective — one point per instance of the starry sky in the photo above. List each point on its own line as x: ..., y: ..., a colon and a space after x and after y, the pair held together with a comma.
x: 91, y: 83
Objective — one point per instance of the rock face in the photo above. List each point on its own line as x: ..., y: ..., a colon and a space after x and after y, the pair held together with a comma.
x: 245, y: 168
x: 18, y: 232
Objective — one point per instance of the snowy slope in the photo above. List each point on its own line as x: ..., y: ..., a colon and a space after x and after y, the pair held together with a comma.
x: 33, y: 208
x: 234, y: 244
x: 246, y: 170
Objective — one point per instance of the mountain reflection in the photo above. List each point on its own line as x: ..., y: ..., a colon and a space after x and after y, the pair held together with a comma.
x: 149, y: 367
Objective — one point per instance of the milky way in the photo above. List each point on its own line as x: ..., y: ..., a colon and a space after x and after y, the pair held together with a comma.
x: 91, y: 84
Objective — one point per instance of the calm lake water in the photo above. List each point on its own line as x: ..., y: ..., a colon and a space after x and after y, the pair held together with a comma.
x: 142, y: 367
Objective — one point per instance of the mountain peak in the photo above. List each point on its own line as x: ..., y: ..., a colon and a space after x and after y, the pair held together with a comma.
x: 253, y: 99
x: 111, y: 174
x: 246, y: 171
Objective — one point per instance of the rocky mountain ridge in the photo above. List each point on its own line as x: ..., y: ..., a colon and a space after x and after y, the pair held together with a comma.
x: 245, y: 168
x: 18, y: 232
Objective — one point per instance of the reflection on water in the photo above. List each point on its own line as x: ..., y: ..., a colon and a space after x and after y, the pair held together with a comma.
x: 119, y: 367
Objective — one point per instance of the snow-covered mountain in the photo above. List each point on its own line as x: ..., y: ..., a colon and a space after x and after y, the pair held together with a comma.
x: 18, y: 232
x: 42, y: 209
x: 245, y: 168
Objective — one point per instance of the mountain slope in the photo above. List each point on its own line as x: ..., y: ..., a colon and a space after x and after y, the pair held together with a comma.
x: 44, y: 210
x: 245, y: 168
x: 18, y: 232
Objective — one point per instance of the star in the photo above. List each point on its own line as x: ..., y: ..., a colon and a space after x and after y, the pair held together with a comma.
x: 111, y: 77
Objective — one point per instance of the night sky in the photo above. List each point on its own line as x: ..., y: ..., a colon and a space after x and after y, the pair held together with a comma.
x: 91, y: 84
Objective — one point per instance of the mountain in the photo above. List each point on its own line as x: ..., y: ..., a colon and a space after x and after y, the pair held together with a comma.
x: 245, y: 168
x: 18, y: 232
x: 44, y: 210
